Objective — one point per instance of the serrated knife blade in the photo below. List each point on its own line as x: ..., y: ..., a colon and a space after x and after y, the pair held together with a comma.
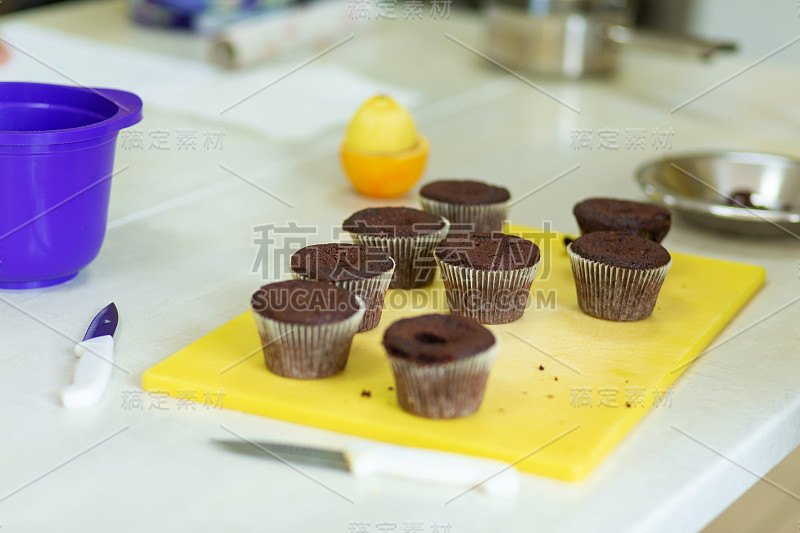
x: 301, y: 454
x: 363, y: 459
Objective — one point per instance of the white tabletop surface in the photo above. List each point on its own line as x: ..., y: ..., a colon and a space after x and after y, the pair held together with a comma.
x: 178, y: 258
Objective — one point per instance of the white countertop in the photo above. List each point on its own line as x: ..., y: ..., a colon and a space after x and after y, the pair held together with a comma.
x: 178, y: 260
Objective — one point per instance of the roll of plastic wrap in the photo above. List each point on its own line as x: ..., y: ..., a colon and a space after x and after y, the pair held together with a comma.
x: 257, y: 39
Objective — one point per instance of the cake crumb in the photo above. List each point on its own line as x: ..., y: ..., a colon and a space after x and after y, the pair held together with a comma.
x: 627, y: 404
x: 391, y: 388
x: 501, y: 410
x: 555, y: 378
x: 550, y: 396
x: 366, y: 393
x: 524, y: 392
x: 541, y: 367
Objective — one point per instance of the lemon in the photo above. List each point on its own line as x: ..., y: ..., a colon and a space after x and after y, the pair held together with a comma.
x: 381, y: 125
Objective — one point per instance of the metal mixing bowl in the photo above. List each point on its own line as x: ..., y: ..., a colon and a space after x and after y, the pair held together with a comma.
x: 703, y: 189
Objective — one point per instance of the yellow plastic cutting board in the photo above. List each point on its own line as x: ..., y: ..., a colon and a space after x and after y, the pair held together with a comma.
x: 559, y: 421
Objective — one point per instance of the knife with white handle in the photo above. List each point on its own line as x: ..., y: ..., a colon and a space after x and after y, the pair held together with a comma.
x: 95, y: 361
x: 494, y: 478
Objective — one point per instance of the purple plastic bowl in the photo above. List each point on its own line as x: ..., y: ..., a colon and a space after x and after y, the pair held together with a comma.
x: 56, y: 160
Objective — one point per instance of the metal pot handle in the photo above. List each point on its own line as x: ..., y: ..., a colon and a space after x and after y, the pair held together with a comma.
x: 682, y: 44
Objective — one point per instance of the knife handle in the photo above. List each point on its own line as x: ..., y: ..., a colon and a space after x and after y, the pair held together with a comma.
x: 440, y: 468
x: 92, y: 372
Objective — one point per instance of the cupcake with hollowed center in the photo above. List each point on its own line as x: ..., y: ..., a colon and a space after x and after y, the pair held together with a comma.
x: 441, y: 364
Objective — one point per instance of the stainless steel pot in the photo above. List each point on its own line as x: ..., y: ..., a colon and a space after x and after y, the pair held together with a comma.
x: 576, y: 38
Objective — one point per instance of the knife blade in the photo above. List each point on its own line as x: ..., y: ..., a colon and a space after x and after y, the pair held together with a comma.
x: 432, y: 467
x: 105, y: 323
x: 96, y: 360
x: 301, y: 454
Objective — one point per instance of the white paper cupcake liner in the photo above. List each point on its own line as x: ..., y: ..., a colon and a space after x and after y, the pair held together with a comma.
x: 307, y: 351
x: 371, y: 290
x: 413, y: 256
x: 443, y: 390
x: 481, y: 218
x: 488, y: 296
x: 616, y: 293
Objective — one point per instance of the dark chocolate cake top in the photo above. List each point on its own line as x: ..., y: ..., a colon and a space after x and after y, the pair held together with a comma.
x: 617, y: 248
x: 435, y: 338
x: 608, y: 214
x: 465, y: 192
x: 340, y: 262
x: 393, y: 222
x: 488, y: 251
x: 304, y: 302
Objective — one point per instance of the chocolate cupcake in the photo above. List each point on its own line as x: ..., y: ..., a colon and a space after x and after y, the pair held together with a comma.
x: 306, y: 327
x: 363, y: 270
x: 649, y: 221
x: 407, y: 235
x: 488, y: 276
x: 440, y: 364
x: 618, y: 275
x: 471, y: 205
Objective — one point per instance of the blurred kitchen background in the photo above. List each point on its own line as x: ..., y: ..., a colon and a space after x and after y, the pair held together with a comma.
x: 757, y: 27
